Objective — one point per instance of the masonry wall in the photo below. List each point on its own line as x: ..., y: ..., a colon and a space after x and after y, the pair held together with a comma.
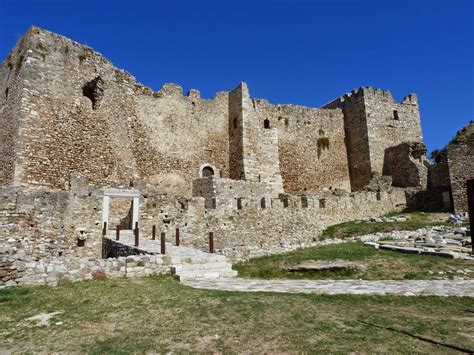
x: 461, y: 166
x: 438, y: 175
x: 253, y: 230
x: 11, y: 92
x: 390, y: 123
x: 311, y: 146
x: 374, y: 121
x: 259, y: 146
x: 118, y: 132
x: 406, y: 164
x: 236, y: 134
x: 236, y: 193
x: 356, y: 137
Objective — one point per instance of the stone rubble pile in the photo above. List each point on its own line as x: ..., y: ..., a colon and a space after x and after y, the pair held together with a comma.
x: 441, y: 241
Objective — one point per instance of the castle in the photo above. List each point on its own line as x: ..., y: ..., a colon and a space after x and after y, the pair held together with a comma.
x: 77, y: 131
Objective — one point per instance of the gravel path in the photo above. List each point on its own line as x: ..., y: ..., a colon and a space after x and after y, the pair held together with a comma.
x: 333, y: 287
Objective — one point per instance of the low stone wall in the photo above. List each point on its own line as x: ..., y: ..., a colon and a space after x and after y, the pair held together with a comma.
x: 255, y: 229
x: 60, y: 271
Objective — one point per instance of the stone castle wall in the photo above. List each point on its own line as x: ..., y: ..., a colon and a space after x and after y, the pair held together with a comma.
x: 104, y: 124
x: 11, y: 93
x: 43, y: 224
x: 311, y: 145
x: 461, y: 166
x: 374, y: 122
x: 75, y: 125
x: 390, y: 123
x: 252, y: 229
x: 122, y: 132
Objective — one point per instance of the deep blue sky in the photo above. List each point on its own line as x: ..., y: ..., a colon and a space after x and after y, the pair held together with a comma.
x: 293, y: 51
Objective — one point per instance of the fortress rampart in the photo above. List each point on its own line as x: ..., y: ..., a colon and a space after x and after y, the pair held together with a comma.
x: 261, y: 176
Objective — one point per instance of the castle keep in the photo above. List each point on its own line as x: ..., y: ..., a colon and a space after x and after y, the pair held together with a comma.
x: 263, y: 177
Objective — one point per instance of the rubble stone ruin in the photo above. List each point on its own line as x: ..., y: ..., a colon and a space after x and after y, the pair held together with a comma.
x: 76, y: 130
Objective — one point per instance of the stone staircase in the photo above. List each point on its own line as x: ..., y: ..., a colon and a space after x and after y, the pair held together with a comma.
x: 186, y: 263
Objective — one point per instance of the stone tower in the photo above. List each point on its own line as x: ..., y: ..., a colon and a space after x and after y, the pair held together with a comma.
x: 253, y: 144
x: 373, y: 122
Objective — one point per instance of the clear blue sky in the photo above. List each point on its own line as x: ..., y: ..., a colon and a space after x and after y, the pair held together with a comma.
x: 293, y: 51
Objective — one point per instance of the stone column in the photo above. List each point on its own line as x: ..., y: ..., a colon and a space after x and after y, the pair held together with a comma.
x: 136, y: 209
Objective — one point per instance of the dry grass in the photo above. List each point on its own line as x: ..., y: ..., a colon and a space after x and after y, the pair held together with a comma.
x: 159, y: 314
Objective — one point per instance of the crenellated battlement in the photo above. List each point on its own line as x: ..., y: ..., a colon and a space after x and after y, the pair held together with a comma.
x: 288, y: 147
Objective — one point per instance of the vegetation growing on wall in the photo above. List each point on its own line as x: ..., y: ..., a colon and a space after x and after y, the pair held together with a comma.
x: 323, y: 144
x: 81, y: 57
x: 19, y: 62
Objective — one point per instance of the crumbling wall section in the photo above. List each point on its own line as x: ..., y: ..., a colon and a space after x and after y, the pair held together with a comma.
x: 406, y: 164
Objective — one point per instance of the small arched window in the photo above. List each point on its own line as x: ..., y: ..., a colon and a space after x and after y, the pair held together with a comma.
x: 263, y: 203
x: 266, y: 123
x: 239, y: 203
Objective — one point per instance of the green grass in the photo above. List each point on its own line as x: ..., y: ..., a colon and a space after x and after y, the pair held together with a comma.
x: 157, y: 314
x: 379, y: 264
x: 416, y: 220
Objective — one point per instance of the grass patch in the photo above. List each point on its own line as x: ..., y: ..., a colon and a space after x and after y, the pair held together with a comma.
x: 416, y: 220
x: 378, y: 264
x: 157, y: 314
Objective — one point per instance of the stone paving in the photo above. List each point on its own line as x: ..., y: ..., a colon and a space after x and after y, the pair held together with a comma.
x: 334, y: 287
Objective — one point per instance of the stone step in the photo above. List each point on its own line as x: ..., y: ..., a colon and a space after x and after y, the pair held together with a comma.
x: 203, y: 275
x: 204, y: 267
x: 187, y: 263
x: 202, y: 260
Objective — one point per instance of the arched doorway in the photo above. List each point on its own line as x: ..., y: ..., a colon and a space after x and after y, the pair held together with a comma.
x: 208, y: 170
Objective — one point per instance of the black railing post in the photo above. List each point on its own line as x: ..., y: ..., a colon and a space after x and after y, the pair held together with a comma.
x: 117, y: 233
x: 211, y: 242
x: 163, y: 245
x: 137, y: 234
